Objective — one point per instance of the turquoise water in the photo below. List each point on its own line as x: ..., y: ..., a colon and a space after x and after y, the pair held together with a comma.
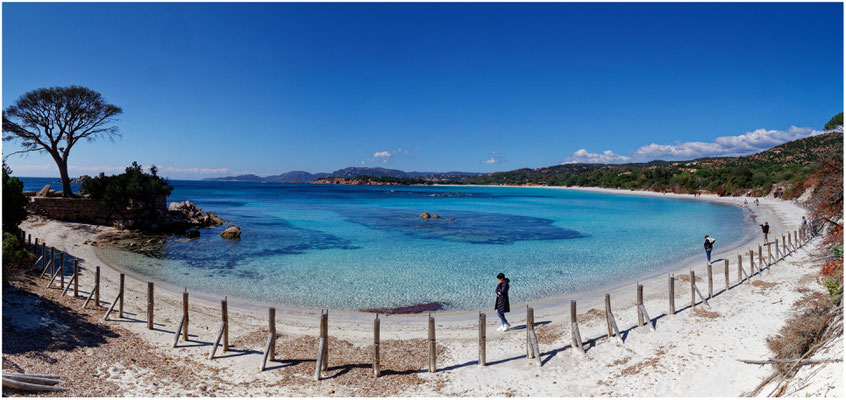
x: 364, y: 247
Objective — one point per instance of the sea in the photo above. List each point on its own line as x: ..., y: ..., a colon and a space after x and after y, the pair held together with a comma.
x: 357, y: 248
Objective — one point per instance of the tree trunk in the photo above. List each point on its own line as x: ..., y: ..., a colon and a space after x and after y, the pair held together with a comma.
x: 63, y: 171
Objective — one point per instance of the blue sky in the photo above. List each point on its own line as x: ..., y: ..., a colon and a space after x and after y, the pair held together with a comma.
x: 223, y: 89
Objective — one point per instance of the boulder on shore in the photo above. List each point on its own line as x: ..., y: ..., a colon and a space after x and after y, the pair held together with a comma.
x: 231, y: 232
x: 43, y: 192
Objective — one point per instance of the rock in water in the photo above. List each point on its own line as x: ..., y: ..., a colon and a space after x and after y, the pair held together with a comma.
x: 214, y: 219
x: 193, y: 233
x: 43, y: 192
x: 425, y: 215
x: 436, y: 216
x: 231, y: 232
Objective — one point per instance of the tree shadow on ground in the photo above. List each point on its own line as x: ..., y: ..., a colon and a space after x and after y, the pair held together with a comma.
x: 32, y: 323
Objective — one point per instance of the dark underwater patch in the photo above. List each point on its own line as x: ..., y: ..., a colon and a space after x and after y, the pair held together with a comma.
x: 467, y: 226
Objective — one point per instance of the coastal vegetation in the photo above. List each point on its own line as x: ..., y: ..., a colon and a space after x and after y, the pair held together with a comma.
x: 132, y: 188
x: 14, y: 212
x: 53, y: 120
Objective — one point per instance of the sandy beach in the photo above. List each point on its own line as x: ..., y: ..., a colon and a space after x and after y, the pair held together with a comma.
x: 691, y: 353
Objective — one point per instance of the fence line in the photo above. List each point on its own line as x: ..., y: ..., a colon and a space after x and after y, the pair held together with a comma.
x: 799, y: 239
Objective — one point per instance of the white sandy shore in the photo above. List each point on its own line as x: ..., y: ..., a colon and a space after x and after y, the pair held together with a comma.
x: 689, y: 354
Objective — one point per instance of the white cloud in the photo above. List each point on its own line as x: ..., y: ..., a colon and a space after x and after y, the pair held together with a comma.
x: 494, y: 158
x: 386, y: 155
x: 724, y: 146
x: 583, y: 156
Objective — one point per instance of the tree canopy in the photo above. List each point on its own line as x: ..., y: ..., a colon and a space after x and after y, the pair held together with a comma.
x: 54, y: 120
x: 834, y: 122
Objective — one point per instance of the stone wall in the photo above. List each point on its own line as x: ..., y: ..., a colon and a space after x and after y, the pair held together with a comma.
x: 97, y: 212
x: 77, y: 210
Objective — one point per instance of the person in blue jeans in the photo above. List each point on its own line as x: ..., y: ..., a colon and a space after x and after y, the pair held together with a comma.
x: 502, y: 305
x: 709, y: 245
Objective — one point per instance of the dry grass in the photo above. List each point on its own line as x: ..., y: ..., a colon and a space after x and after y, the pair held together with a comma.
x: 548, y: 333
x: 686, y: 278
x: 701, y: 312
x: 591, y: 315
x: 800, y: 332
x: 763, y: 284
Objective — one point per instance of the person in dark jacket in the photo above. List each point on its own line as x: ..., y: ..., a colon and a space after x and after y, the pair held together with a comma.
x: 502, y: 305
x: 709, y: 245
x: 766, y: 229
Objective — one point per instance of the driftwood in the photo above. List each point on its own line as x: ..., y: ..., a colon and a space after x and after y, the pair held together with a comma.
x: 792, y: 360
x: 10, y: 383
x: 40, y: 380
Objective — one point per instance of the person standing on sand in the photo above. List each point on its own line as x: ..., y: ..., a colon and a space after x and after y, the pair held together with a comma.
x: 766, y: 229
x: 709, y: 245
x: 502, y: 304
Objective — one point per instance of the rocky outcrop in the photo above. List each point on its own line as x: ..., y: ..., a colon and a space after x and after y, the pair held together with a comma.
x: 231, y: 232
x: 352, y: 181
x: 43, y: 192
x: 188, y: 215
x: 81, y: 179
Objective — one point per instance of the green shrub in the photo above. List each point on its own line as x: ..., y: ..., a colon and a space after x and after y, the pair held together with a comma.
x: 14, y: 256
x: 14, y: 201
x: 129, y: 188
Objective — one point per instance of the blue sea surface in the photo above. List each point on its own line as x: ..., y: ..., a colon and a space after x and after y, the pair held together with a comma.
x: 364, y: 247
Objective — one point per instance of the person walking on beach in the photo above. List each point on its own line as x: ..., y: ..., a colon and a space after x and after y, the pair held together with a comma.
x: 502, y: 305
x: 709, y: 245
x: 766, y: 229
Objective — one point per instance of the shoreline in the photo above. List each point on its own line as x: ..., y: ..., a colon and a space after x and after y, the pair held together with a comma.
x: 592, y: 298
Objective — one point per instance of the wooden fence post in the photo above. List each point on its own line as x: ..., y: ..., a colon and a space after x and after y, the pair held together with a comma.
x: 530, y: 325
x: 150, y: 305
x: 225, y: 314
x: 433, y: 356
x: 120, y: 311
x: 639, y: 302
x: 769, y: 254
x: 726, y: 273
x: 52, y: 260
x: 760, y: 257
x: 752, y: 260
x: 62, y: 268
x: 574, y: 329
x: 185, y: 315
x: 671, y: 288
x: 710, y: 282
x: 778, y: 250
x: 29, y: 242
x: 35, y: 250
x: 692, y: 289
x: 377, y: 368
x: 609, y: 318
x: 784, y: 246
x: 271, y: 327
x: 97, y: 286
x: 325, y: 367
x: 43, y: 256
x: 75, y: 278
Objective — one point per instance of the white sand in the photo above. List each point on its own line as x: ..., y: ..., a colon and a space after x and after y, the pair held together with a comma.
x: 688, y: 355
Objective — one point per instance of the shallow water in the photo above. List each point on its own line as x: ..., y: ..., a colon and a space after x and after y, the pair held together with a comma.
x: 364, y: 247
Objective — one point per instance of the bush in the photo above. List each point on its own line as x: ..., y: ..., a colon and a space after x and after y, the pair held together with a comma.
x: 14, y: 202
x: 803, y: 330
x: 14, y: 256
x: 129, y: 188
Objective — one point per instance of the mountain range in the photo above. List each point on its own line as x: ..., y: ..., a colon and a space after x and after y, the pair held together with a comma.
x: 349, y: 172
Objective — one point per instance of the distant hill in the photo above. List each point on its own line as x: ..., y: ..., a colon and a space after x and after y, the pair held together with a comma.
x: 350, y: 172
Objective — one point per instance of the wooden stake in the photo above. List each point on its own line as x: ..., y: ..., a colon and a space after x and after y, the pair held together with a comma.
x: 534, y: 339
x: 325, y: 364
x: 178, y: 329
x: 321, y: 347
x: 377, y: 368
x: 120, y: 311
x: 75, y: 278
x: 271, y: 322
x: 111, y: 307
x: 43, y: 257
x: 769, y: 254
x: 52, y: 259
x: 607, y: 317
x: 216, y: 341
x: 185, y: 315
x: 90, y: 295
x: 225, y: 316
x: 150, y: 305
x: 97, y: 286
x: 692, y: 289
x: 482, y: 339
x: 760, y: 257
x: 574, y: 325
x: 671, y: 288
x: 29, y: 242
x: 530, y: 325
x: 433, y: 356
x: 62, y: 268
x: 640, y: 321
x: 752, y: 260
x: 710, y: 282
x: 726, y: 272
